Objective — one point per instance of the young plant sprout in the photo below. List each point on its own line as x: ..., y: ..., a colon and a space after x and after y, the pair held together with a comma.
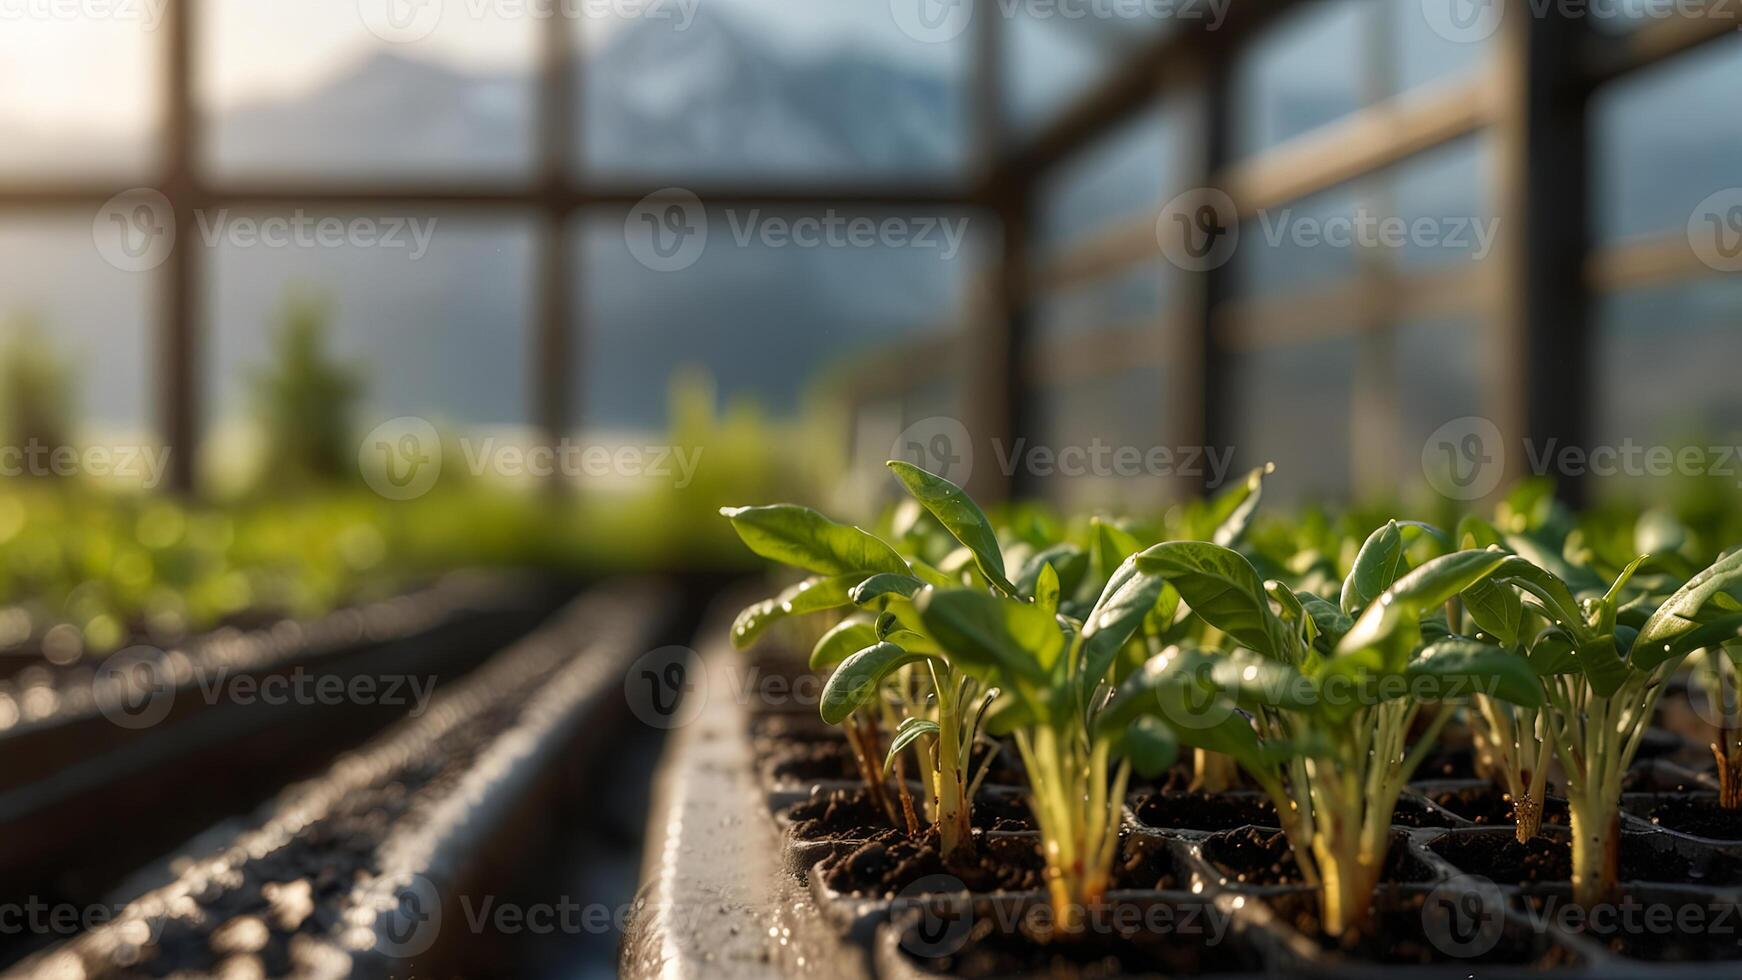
x: 1602, y: 678
x: 1317, y: 701
x: 1719, y: 679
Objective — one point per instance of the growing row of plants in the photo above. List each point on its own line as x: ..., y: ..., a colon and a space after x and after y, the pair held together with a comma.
x: 1321, y: 663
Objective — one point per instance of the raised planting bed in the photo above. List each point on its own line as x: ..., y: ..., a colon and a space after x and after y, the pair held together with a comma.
x: 377, y: 867
x: 1209, y: 731
x: 172, y: 742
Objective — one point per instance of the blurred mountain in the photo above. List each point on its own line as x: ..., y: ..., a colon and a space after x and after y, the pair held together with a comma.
x: 716, y: 100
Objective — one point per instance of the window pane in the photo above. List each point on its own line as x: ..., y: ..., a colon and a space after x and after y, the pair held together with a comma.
x: 1118, y: 179
x: 1054, y: 54
x: 1134, y: 294
x: 1439, y: 379
x: 1097, y: 439
x: 1666, y: 364
x: 1437, y: 39
x: 315, y: 89
x: 1443, y: 199
x: 758, y: 88
x: 86, y: 314
x: 1303, y: 244
x: 1305, y: 72
x: 440, y: 333
x: 763, y: 317
x: 1665, y: 140
x: 1294, y: 410
x: 80, y: 96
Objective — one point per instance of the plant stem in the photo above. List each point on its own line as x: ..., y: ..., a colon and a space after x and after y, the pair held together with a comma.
x: 955, y: 833
x: 1212, y: 772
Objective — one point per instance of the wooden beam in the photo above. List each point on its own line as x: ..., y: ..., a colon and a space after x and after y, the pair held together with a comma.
x: 1370, y: 139
x: 1540, y: 352
x: 179, y: 355
x: 1353, y: 305
x: 1188, y: 48
x: 1651, y: 260
x: 1610, y: 56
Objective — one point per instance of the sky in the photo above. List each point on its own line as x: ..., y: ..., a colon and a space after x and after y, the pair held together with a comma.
x: 93, y: 64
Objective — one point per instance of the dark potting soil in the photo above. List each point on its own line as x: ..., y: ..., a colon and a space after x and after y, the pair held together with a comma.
x: 1489, y: 807
x: 1002, y: 812
x: 1204, y: 811
x: 1632, y: 927
x: 1500, y: 858
x: 837, y: 814
x: 1697, y: 815
x: 892, y: 861
x: 1448, y: 763
x: 1399, y: 933
x: 1128, y: 939
x: 1254, y: 856
x: 809, y: 759
x: 849, y: 814
x: 1410, y: 812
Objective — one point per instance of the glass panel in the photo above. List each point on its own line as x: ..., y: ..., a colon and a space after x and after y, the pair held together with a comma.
x: 761, y: 303
x: 80, y: 93
x: 1098, y: 442
x: 1056, y: 52
x: 1306, y: 243
x: 1139, y: 292
x: 1301, y: 74
x: 86, y: 315
x: 1666, y: 364
x: 1439, y: 379
x: 1443, y: 199
x: 1294, y: 411
x: 1119, y: 178
x: 760, y: 89
x: 1665, y: 140
x: 437, y: 330
x: 1438, y: 39
x: 315, y: 89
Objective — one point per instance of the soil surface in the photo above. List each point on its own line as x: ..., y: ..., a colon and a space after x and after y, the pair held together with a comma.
x: 1204, y: 811
x: 1698, y: 815
x: 1488, y: 806
x: 803, y: 760
x: 1400, y: 934
x: 849, y: 814
x: 892, y: 861
x: 1254, y: 856
x: 1132, y: 939
x: 840, y: 814
x: 1448, y: 763
x: 1502, y: 859
x: 1410, y: 812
